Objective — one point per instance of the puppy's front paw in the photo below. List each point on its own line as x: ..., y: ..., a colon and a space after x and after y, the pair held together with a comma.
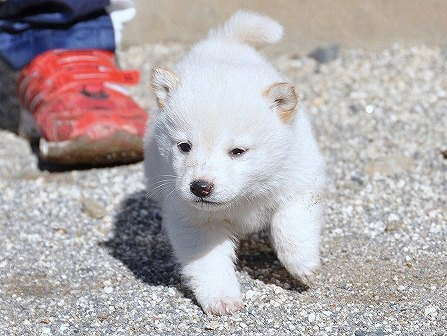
x: 304, y: 270
x: 307, y: 277
x: 222, y: 305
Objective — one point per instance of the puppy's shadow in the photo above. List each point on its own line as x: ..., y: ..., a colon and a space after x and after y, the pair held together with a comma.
x: 140, y: 243
x: 257, y: 258
x: 143, y: 247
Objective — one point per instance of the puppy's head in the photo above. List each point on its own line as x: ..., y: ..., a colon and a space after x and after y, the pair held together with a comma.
x: 226, y: 135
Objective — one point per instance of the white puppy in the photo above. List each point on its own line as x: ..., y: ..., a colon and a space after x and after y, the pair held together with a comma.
x: 229, y: 153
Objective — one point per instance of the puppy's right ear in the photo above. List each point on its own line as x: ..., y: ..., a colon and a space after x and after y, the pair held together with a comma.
x: 283, y: 99
x: 163, y: 82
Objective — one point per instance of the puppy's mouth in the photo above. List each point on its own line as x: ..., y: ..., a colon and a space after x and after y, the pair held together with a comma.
x: 204, y: 201
x: 209, y: 205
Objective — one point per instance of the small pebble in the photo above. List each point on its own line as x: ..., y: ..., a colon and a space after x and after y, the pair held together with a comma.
x: 212, y: 325
x: 393, y: 217
x: 430, y: 311
x: 108, y: 290
x: 325, y: 54
x: 250, y: 294
x: 93, y: 208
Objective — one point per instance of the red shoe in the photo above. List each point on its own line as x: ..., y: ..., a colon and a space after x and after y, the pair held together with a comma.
x: 81, y: 108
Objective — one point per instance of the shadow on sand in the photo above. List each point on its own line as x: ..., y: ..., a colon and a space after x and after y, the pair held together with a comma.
x: 143, y: 247
x: 9, y: 103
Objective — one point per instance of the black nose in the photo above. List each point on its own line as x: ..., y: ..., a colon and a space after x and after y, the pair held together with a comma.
x: 201, y: 188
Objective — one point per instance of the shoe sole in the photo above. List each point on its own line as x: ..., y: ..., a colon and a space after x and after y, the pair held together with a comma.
x: 119, y: 148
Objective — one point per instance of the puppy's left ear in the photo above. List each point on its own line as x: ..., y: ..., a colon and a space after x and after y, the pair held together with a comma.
x: 283, y: 98
x: 163, y: 82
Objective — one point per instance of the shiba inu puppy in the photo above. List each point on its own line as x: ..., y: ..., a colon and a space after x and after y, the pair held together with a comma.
x: 228, y: 152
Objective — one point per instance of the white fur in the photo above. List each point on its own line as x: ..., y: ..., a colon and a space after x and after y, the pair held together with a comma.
x: 216, y: 103
x: 249, y: 27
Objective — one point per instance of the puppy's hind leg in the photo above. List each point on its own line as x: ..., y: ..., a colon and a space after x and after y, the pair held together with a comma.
x: 206, y: 258
x: 295, y: 233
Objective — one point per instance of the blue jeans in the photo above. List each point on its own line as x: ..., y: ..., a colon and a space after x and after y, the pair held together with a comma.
x: 30, y: 27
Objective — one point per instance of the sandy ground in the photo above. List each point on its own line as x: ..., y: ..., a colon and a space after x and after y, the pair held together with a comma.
x: 83, y: 253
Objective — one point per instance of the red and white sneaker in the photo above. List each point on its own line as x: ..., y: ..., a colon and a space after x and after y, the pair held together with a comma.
x: 82, y: 109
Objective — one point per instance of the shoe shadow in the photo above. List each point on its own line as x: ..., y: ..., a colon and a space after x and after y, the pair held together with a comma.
x: 9, y: 103
x: 140, y: 243
x: 50, y: 167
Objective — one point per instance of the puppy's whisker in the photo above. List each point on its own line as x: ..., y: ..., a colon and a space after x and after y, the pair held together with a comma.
x: 173, y: 195
x: 167, y: 197
x: 161, y: 184
x: 160, y: 181
x: 157, y: 188
x: 248, y: 200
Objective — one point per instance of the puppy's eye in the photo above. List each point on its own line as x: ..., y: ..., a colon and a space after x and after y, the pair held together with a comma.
x: 184, y: 147
x: 237, y: 151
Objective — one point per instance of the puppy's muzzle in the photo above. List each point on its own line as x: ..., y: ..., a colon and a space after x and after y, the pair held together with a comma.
x: 201, y: 188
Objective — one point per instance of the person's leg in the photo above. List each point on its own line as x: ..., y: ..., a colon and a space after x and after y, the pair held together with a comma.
x: 30, y: 27
x: 71, y: 87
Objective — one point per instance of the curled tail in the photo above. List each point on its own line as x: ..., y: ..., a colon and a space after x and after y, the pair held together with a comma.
x: 249, y: 28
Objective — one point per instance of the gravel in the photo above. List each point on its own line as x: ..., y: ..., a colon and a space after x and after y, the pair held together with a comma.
x: 83, y: 252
